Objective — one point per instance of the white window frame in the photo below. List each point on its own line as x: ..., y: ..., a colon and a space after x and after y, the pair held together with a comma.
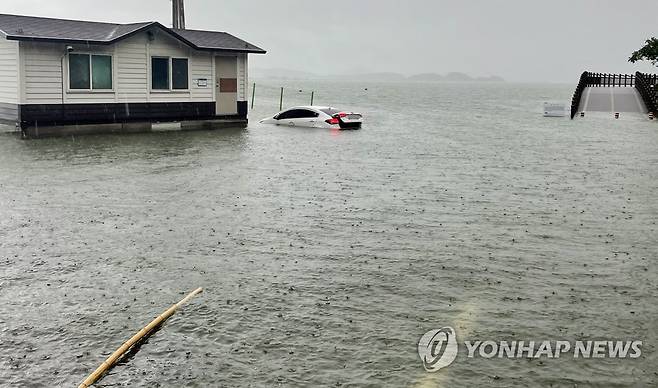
x: 171, y: 73
x: 91, y: 73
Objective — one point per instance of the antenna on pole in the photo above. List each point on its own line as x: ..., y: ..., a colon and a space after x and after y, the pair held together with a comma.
x: 178, y: 14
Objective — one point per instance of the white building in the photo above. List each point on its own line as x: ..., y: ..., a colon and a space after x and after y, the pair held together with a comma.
x: 69, y: 74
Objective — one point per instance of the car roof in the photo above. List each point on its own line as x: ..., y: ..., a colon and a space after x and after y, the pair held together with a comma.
x: 316, y: 107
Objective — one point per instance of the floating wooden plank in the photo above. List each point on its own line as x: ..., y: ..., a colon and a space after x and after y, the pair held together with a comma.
x: 141, y: 335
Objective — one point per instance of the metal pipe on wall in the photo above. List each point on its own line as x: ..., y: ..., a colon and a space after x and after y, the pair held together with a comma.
x: 178, y: 14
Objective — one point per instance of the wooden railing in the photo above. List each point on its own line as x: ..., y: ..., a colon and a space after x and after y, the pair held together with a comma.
x: 589, y: 79
x: 646, y: 85
x: 575, y: 101
x: 610, y: 80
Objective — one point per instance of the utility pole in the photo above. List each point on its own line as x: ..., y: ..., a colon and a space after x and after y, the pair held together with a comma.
x: 178, y: 14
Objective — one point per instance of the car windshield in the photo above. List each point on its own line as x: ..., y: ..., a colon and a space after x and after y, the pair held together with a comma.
x: 330, y: 111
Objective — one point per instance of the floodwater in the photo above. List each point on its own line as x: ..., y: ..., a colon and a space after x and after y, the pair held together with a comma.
x: 326, y: 255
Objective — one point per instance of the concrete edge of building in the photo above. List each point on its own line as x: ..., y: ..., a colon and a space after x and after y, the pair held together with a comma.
x: 8, y: 128
x: 132, y: 127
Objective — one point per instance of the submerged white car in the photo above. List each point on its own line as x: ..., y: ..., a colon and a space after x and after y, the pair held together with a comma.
x: 316, y: 117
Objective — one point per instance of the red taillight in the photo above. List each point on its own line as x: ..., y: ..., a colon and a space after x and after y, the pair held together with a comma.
x: 332, y: 121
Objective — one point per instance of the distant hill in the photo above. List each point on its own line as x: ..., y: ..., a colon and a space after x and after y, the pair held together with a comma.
x: 427, y: 77
x: 386, y: 77
x: 452, y: 77
x: 282, y: 74
x: 372, y: 77
x: 458, y: 77
x: 493, y: 78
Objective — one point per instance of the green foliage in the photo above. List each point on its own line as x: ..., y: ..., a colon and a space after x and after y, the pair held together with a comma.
x: 647, y: 53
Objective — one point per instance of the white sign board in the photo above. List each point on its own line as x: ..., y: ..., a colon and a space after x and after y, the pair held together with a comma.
x: 554, y: 109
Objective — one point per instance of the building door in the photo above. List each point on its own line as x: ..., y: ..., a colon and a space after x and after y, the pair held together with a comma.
x: 226, y: 85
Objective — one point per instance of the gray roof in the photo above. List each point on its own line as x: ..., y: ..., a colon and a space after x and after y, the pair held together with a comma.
x: 214, y: 40
x: 16, y: 27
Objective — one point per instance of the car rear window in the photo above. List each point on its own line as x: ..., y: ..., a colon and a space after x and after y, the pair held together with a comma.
x: 330, y: 111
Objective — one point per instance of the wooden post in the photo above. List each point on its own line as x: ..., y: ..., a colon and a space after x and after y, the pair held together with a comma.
x: 253, y: 95
x: 281, y: 100
x: 312, y: 95
x: 145, y: 332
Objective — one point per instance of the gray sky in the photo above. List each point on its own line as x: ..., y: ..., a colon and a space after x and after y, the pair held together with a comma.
x: 520, y: 40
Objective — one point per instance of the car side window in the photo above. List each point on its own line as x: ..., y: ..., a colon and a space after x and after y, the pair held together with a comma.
x: 297, y: 114
x: 285, y: 115
x: 307, y: 114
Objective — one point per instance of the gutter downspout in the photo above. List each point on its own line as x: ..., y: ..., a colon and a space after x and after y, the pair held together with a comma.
x: 61, y: 60
x: 69, y: 49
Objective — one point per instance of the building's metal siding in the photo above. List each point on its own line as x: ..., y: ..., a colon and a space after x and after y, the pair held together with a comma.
x: 42, y: 72
x: 9, y: 81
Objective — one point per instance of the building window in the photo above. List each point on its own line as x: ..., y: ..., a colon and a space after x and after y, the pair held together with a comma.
x: 101, y: 72
x: 79, y: 71
x: 179, y: 73
x: 160, y: 73
x: 90, y: 72
x: 169, y: 73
